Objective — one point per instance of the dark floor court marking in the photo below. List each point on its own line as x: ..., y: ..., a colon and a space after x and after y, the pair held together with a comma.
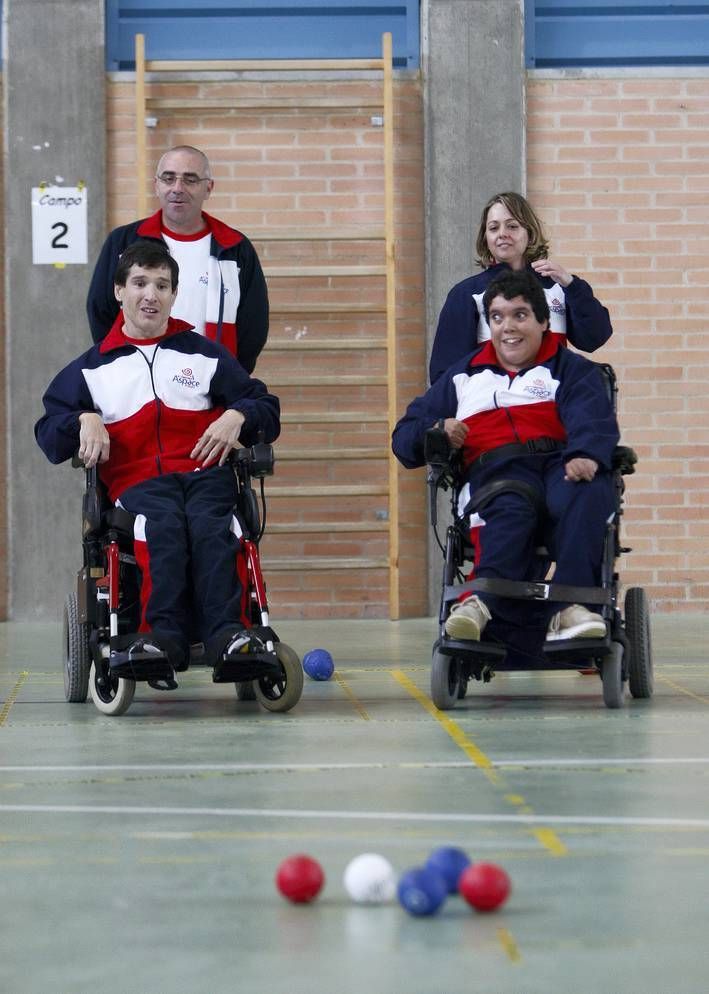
x: 12, y: 697
x: 352, y: 697
x: 683, y: 690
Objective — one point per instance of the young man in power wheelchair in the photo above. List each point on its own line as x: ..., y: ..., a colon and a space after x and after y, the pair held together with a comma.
x: 533, y: 430
x: 155, y: 412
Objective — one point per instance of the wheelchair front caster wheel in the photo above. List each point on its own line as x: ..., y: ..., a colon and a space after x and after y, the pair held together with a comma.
x: 447, y: 680
x: 245, y: 691
x: 283, y: 692
x: 111, y: 696
x: 612, y: 677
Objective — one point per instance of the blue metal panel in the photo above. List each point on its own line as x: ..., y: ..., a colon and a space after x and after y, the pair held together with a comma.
x: 261, y: 29
x: 604, y: 33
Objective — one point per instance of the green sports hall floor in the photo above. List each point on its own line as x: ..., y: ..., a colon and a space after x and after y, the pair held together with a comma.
x: 137, y: 854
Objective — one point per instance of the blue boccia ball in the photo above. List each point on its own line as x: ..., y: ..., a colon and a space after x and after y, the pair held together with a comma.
x: 422, y: 891
x: 450, y: 862
x: 318, y: 664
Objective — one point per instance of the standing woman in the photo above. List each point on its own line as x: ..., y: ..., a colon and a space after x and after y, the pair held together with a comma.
x: 511, y: 236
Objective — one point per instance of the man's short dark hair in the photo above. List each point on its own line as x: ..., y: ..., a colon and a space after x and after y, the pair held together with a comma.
x: 518, y: 283
x: 149, y: 255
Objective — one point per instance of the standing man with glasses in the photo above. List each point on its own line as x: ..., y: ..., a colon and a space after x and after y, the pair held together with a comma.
x: 222, y: 287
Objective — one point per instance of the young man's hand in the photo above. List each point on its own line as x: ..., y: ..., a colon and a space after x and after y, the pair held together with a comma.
x: 217, y: 441
x: 579, y: 469
x: 456, y: 432
x: 94, y: 441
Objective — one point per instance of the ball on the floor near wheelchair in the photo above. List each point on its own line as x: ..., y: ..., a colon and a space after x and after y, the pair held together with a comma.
x: 370, y: 879
x: 422, y: 891
x: 318, y: 664
x: 300, y: 878
x: 450, y: 863
x: 485, y: 886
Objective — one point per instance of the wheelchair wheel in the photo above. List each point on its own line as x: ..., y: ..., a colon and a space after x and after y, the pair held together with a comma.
x: 283, y: 693
x: 245, y: 691
x: 114, y: 699
x: 77, y: 657
x: 447, y: 680
x: 612, y: 677
x: 637, y: 628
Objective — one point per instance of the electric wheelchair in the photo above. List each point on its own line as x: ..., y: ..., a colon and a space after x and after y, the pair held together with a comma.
x: 103, y: 653
x: 623, y: 655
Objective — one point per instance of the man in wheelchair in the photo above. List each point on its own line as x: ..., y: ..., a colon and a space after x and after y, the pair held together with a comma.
x: 535, y: 431
x: 158, y: 409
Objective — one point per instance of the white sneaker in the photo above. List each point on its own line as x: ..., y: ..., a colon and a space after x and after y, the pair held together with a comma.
x: 467, y: 619
x: 576, y: 622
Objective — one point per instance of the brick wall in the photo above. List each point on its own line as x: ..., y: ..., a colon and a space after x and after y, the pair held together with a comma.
x: 619, y: 170
x: 315, y: 169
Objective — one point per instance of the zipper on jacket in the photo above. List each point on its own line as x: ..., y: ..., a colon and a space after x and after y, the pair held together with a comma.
x: 158, y: 403
x: 508, y: 414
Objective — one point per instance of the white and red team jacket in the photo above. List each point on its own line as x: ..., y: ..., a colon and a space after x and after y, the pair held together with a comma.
x: 156, y: 398
x: 561, y: 396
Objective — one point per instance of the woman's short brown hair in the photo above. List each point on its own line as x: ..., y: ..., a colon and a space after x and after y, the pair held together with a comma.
x: 521, y: 211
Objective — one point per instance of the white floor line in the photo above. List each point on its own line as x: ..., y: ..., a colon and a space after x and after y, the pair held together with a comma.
x: 599, y: 761
x: 324, y: 815
x: 528, y: 763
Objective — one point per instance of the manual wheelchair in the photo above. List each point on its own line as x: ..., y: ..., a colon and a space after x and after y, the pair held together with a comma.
x: 103, y: 613
x: 623, y: 655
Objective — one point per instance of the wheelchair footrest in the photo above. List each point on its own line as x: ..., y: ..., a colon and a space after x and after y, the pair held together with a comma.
x: 578, y: 646
x: 141, y: 666
x: 465, y: 647
x: 239, y: 667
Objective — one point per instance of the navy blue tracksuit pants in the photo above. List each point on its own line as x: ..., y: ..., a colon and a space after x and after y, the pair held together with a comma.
x: 188, y: 549
x: 574, y: 533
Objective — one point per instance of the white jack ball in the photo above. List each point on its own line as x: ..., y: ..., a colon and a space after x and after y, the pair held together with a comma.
x: 370, y: 879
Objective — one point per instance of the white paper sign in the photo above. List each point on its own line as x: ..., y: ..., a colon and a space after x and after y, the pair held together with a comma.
x: 59, y: 228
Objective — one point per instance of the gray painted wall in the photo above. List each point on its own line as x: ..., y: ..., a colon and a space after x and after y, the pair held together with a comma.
x: 474, y: 119
x: 54, y: 83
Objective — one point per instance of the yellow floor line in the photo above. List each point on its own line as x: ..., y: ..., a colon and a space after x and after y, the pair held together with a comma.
x: 5, y: 711
x: 508, y: 944
x: 477, y: 756
x: 546, y: 836
x: 551, y: 841
x: 683, y: 690
x: 359, y: 707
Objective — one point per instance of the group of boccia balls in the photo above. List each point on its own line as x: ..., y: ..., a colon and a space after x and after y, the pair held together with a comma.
x: 371, y: 879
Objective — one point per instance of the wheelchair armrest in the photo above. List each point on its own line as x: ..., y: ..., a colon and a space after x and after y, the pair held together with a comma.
x: 257, y: 460
x: 624, y: 459
x: 437, y: 448
x: 92, y: 505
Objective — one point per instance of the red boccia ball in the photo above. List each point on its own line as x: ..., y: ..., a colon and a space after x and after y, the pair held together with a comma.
x: 484, y: 886
x: 300, y: 879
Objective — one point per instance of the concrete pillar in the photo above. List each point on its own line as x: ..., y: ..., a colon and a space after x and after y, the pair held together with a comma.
x: 474, y: 120
x: 54, y: 132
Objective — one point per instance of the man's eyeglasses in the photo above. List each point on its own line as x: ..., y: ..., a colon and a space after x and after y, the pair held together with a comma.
x: 188, y: 179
